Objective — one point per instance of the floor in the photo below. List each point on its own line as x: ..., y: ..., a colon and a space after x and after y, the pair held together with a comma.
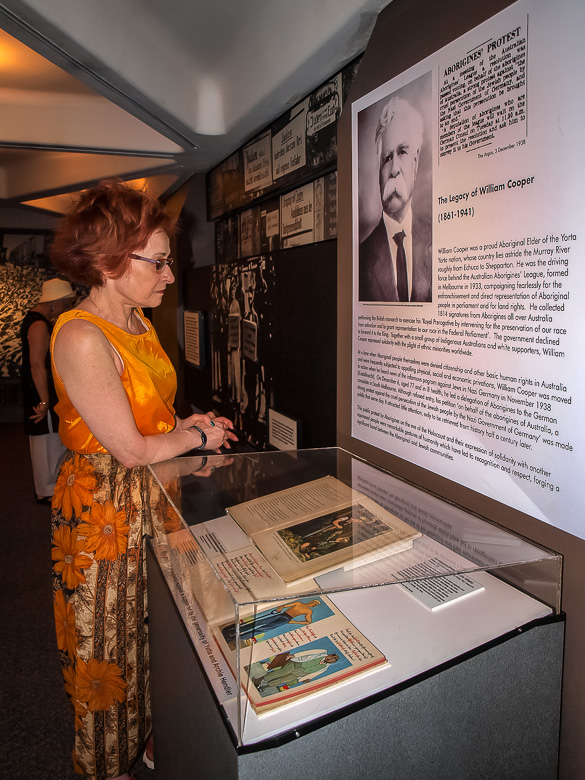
x: 36, y: 727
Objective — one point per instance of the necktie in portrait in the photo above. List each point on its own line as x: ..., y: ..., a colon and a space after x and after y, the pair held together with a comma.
x: 401, y: 273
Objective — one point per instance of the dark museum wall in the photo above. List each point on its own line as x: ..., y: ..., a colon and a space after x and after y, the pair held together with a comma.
x: 389, y: 53
x: 268, y: 292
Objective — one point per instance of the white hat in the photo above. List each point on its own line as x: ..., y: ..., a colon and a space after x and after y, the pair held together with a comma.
x: 55, y: 289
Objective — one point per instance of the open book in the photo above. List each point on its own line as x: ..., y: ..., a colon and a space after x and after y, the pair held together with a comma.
x: 319, y: 526
x: 295, y: 648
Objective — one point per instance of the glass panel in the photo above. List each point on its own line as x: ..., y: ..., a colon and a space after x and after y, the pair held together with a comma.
x: 309, y: 580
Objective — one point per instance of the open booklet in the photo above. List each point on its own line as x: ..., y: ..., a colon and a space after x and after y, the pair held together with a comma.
x: 319, y: 526
x: 294, y: 648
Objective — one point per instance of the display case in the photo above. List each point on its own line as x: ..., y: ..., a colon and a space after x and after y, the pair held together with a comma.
x: 318, y: 592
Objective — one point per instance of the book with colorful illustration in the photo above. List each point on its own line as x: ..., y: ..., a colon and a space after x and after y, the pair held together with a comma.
x: 319, y: 526
x: 294, y: 649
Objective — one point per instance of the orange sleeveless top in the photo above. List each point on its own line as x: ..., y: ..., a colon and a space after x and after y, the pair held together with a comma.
x: 148, y: 377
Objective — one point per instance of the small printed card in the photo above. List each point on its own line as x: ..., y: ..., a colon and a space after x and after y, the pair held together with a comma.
x: 439, y: 591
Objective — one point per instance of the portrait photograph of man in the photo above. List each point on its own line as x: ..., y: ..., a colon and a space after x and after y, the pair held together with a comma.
x: 395, y: 196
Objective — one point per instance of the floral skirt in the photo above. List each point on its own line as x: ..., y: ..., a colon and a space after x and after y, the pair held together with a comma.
x: 99, y: 521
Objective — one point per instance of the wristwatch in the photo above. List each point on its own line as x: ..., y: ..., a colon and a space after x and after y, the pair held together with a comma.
x: 203, y: 438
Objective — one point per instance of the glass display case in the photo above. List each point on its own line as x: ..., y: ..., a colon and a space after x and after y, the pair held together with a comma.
x: 311, y: 582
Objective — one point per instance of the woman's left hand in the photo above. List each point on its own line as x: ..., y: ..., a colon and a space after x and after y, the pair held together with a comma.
x: 194, y: 419
x: 227, y: 426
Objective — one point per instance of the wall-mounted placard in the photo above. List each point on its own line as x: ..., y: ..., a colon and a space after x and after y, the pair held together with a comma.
x: 297, y: 217
x: 194, y: 338
x: 288, y: 144
x: 283, y: 432
x: 258, y: 164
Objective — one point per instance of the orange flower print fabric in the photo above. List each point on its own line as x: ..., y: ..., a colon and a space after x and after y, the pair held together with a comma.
x: 99, y: 684
x: 75, y: 487
x: 99, y: 522
x: 105, y: 531
x: 65, y: 625
x: 69, y: 556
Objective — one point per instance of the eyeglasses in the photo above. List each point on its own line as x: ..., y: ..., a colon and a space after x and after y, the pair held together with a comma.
x: 160, y: 263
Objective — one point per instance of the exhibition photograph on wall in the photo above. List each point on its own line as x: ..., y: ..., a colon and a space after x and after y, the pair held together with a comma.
x: 468, y: 262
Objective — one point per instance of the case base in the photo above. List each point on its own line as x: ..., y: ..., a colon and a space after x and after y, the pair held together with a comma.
x: 495, y: 713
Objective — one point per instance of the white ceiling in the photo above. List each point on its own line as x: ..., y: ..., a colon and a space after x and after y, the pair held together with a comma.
x: 154, y: 88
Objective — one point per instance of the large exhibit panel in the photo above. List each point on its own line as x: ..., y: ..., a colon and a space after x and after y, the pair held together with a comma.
x: 472, y: 387
x: 313, y: 586
x: 477, y: 375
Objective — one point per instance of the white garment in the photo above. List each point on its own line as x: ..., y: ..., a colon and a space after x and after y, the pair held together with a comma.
x: 46, y: 452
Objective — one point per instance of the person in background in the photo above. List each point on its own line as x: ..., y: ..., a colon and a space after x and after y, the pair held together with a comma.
x: 38, y: 390
x: 116, y: 389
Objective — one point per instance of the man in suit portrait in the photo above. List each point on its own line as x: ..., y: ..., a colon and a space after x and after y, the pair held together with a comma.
x: 395, y: 260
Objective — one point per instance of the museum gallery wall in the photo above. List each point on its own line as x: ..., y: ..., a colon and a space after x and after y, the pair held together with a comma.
x: 470, y: 381
x: 270, y: 322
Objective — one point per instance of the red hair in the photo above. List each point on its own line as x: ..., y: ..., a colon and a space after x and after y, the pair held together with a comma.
x: 109, y: 222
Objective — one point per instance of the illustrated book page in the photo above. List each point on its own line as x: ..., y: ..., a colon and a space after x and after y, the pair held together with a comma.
x: 291, y: 505
x: 295, y: 648
x: 352, y: 535
x: 319, y: 526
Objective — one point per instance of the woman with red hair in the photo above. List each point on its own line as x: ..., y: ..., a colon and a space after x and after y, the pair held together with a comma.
x: 116, y: 389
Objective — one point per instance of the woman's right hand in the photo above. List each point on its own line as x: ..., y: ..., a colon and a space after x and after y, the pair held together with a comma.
x: 40, y: 412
